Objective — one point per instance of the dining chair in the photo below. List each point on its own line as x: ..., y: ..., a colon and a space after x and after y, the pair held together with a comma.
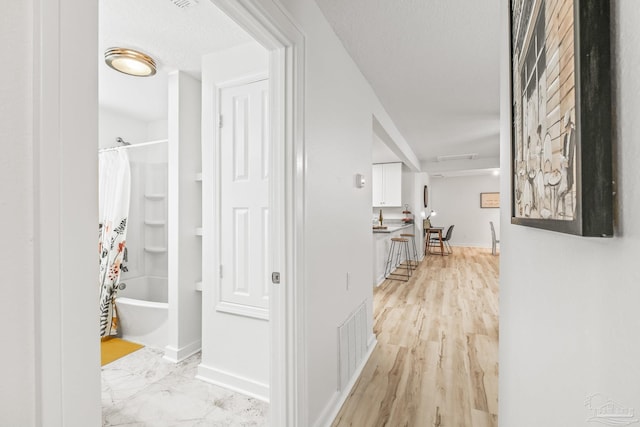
x: 494, y: 241
x: 435, y: 241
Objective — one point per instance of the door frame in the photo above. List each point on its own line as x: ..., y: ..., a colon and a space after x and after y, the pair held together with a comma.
x: 267, y: 23
x: 65, y: 48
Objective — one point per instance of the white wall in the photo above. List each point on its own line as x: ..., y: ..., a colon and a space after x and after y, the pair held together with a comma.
x: 338, y: 136
x: 456, y: 200
x: 184, y: 216
x: 17, y: 370
x: 235, y: 349
x: 569, y: 305
x: 113, y: 124
x: 157, y: 129
x: 48, y: 202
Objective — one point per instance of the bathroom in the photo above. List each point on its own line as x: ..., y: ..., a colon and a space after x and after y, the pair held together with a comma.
x: 157, y: 122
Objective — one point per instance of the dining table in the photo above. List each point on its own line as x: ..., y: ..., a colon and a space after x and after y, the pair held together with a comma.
x: 437, y: 232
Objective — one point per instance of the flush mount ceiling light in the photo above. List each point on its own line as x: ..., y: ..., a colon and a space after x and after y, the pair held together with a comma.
x: 129, y: 61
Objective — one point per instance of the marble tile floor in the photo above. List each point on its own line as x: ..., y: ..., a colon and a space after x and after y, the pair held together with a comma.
x: 143, y: 389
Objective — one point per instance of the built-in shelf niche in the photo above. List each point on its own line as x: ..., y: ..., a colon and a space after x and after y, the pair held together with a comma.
x: 155, y: 223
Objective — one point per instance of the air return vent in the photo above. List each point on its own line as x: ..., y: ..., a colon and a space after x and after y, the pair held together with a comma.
x: 352, y: 347
x: 184, y: 4
x: 469, y: 156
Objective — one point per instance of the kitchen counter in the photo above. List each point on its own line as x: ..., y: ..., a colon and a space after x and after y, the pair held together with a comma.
x: 392, y: 227
x: 382, y: 243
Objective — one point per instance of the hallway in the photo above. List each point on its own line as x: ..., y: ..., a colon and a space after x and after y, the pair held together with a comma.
x: 436, y: 362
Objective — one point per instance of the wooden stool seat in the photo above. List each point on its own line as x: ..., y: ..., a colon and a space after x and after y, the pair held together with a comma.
x: 398, y: 260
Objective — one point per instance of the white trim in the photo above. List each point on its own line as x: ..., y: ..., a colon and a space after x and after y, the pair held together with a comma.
x: 271, y: 26
x: 329, y: 413
x: 234, y: 382
x: 240, y: 81
x: 65, y: 120
x: 175, y: 355
x: 243, y: 310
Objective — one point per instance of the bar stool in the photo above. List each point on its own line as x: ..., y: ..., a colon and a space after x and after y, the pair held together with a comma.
x: 413, y: 261
x: 399, y: 248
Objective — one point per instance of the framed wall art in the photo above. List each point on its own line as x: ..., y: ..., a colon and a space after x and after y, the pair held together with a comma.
x: 425, y: 196
x: 561, y: 159
x: 490, y: 200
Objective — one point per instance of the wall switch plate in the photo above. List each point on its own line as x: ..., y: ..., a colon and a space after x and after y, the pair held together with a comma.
x: 360, y: 181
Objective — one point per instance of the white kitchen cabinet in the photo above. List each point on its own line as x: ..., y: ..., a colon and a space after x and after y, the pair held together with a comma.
x: 387, y: 185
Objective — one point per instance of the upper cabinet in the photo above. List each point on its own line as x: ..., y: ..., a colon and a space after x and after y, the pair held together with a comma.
x: 387, y: 185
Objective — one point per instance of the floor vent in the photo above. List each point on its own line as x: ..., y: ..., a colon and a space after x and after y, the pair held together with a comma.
x: 352, y: 346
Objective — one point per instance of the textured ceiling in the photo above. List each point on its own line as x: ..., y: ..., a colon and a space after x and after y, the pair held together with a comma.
x: 175, y: 37
x: 433, y: 65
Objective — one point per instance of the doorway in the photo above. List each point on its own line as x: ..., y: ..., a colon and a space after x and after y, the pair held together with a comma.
x: 63, y: 372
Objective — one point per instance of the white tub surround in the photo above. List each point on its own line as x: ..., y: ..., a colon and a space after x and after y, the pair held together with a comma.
x: 143, y: 311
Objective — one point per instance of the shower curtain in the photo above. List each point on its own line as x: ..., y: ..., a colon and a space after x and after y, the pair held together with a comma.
x: 114, y: 192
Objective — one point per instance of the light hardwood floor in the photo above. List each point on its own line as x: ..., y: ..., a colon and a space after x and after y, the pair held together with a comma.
x: 436, y: 362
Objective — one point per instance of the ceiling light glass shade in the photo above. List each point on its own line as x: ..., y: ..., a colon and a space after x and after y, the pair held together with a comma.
x: 129, y: 61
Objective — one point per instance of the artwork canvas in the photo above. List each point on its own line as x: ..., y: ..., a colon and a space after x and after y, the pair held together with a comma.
x: 561, y: 108
x: 490, y: 200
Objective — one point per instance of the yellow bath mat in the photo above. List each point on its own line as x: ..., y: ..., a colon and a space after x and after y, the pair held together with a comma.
x: 115, y: 348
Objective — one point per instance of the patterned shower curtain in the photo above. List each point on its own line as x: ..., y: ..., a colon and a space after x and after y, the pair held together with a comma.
x: 115, y: 189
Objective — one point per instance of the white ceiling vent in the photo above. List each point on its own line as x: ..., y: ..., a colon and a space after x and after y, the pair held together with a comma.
x: 469, y: 156
x: 184, y: 4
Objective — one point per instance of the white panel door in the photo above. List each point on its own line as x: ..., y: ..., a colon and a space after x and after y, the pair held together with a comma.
x: 244, y: 203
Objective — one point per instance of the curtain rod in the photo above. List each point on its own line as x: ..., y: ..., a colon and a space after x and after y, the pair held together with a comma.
x: 142, y: 144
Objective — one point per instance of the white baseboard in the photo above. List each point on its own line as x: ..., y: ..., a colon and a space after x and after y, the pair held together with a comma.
x: 330, y: 411
x: 234, y: 382
x: 176, y: 355
x: 471, y: 245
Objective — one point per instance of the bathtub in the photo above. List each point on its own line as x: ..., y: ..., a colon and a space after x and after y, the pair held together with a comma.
x: 143, y: 311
